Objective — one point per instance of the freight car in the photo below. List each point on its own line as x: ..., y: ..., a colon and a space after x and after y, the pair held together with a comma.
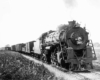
x: 18, y: 47
x: 6, y: 48
x: 13, y: 48
x: 28, y: 48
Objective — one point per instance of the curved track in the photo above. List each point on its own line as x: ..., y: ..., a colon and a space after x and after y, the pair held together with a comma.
x: 92, y: 75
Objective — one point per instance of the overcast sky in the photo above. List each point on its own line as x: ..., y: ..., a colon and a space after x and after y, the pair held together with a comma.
x: 25, y: 20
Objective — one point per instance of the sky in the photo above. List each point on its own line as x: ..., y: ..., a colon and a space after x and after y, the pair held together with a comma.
x: 25, y: 20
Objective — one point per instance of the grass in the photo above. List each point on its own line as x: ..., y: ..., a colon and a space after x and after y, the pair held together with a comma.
x: 13, y: 66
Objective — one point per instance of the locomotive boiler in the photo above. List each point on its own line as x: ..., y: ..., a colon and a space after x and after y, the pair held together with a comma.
x: 68, y: 47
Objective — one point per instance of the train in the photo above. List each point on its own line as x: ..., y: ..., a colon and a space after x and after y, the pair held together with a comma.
x: 68, y: 47
x: 5, y: 48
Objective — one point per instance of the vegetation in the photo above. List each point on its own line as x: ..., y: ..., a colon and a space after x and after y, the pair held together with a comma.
x: 13, y: 66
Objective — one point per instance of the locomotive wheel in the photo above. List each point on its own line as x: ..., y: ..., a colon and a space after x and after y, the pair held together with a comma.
x: 71, y: 67
x: 44, y: 57
x: 63, y: 63
x: 89, y: 66
x: 53, y: 60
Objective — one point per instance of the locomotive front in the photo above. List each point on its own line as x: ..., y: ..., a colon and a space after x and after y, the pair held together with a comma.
x: 69, y: 47
x: 74, y: 36
x: 79, y: 53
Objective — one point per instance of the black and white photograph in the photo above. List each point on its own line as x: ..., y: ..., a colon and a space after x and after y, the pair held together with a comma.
x: 49, y: 39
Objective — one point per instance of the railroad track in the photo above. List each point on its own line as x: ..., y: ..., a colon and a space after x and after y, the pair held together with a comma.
x: 88, y: 75
x: 92, y: 75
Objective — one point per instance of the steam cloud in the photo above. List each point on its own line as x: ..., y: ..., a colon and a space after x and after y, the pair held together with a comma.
x: 70, y: 3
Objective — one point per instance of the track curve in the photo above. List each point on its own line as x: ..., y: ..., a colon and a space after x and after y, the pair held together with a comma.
x: 93, y: 75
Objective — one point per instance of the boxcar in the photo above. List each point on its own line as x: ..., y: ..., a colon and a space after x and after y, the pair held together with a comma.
x: 13, y: 48
x: 19, y: 47
x: 29, y: 47
x: 7, y: 48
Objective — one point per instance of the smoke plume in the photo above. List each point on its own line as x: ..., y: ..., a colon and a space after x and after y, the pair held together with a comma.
x: 70, y: 3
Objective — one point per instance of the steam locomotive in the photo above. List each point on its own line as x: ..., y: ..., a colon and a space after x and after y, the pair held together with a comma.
x: 68, y: 47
